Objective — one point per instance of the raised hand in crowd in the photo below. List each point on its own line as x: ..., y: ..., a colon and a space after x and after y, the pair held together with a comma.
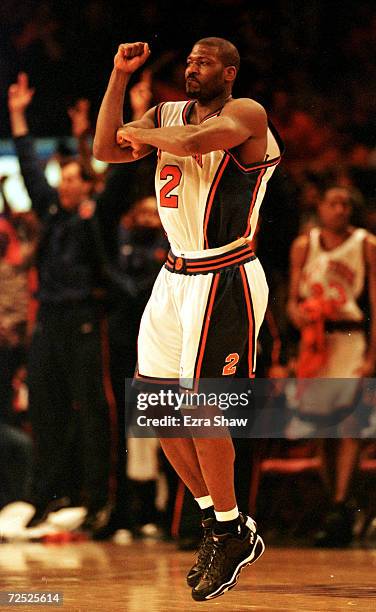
x: 20, y: 96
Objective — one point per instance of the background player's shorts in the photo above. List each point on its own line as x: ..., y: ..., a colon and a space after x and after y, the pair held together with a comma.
x: 332, y: 396
x: 203, y: 318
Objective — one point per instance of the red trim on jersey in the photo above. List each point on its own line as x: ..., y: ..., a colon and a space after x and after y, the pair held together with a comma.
x: 212, y: 192
x: 251, y: 322
x: 158, y: 115
x: 246, y: 245
x: 188, y: 108
x: 219, y: 266
x: 189, y: 266
x: 205, y: 328
x: 254, y: 198
x: 186, y: 111
x: 246, y: 251
x: 255, y: 166
x: 215, y: 114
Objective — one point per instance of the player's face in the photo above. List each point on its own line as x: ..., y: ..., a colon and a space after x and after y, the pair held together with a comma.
x: 204, y: 74
x: 72, y: 189
x: 335, y: 209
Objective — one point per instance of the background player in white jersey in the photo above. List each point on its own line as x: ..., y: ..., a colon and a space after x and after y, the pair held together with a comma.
x: 330, y: 270
x: 215, y: 156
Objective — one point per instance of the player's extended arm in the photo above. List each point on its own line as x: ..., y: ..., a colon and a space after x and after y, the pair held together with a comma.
x: 240, y: 120
x: 130, y: 57
x: 298, y: 255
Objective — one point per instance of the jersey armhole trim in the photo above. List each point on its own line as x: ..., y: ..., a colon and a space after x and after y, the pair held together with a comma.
x: 266, y: 163
x: 255, y: 166
x: 158, y: 115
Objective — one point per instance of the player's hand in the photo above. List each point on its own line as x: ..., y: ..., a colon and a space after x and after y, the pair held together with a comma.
x: 131, y: 56
x: 20, y: 94
x: 79, y: 116
x: 128, y: 137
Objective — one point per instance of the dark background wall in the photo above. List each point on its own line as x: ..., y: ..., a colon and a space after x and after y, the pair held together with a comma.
x: 322, y: 52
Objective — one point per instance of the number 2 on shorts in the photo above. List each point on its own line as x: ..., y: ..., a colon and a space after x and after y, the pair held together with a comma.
x: 173, y: 173
x: 231, y: 361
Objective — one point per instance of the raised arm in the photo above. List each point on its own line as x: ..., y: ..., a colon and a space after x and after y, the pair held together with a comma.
x: 20, y: 96
x: 240, y: 120
x: 130, y: 57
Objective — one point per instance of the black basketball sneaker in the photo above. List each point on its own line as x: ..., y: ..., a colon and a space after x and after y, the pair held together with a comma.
x: 203, y: 553
x: 229, y: 553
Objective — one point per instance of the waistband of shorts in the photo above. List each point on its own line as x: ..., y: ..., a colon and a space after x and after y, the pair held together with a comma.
x: 213, y: 263
x: 344, y: 326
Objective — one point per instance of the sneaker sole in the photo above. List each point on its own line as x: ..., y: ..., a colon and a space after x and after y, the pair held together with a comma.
x: 257, y: 551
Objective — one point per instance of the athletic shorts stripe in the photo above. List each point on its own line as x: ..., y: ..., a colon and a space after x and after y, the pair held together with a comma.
x: 251, y: 324
x: 205, y: 326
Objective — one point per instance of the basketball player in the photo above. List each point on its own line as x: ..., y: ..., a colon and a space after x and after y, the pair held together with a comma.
x: 329, y: 268
x: 215, y: 157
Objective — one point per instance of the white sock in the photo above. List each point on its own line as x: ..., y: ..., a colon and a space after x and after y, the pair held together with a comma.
x: 204, y: 502
x: 229, y: 515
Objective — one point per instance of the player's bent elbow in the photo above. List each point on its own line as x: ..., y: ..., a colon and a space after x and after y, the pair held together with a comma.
x: 100, y: 152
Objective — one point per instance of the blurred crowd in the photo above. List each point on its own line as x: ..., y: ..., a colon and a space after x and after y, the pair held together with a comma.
x: 76, y: 270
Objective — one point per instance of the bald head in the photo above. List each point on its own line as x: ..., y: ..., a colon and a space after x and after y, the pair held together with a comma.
x: 227, y: 52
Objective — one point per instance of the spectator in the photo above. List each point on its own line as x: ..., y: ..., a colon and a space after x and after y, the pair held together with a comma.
x: 17, y: 246
x: 329, y: 270
x: 65, y: 371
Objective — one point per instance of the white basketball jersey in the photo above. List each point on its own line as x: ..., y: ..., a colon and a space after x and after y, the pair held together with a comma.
x: 338, y: 273
x: 210, y: 200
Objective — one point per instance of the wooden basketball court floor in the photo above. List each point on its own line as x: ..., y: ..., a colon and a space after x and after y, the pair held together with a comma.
x: 147, y: 576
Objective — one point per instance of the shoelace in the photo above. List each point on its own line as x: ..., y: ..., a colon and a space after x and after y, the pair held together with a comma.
x: 205, y: 549
x: 216, y: 560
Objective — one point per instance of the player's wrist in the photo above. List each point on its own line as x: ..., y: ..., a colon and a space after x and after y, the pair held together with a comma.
x: 121, y: 75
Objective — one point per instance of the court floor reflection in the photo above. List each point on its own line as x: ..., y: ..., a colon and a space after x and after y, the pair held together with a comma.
x: 150, y: 576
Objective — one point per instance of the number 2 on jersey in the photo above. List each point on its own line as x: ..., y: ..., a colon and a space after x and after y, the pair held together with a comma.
x: 173, y: 173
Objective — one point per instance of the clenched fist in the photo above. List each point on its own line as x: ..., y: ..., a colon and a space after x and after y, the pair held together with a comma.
x: 129, y: 137
x: 131, y: 56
